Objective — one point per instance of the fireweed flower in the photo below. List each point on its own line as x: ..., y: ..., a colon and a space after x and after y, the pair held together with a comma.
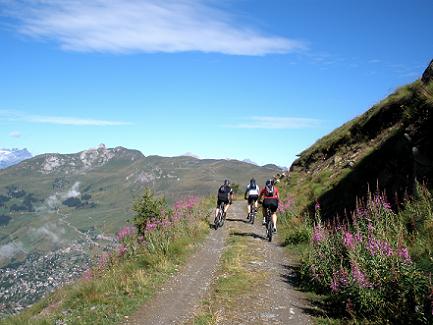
x: 358, y: 237
x: 125, y: 232
x: 87, y: 275
x: 122, y: 250
x: 318, y: 234
x: 403, y: 253
x: 151, y: 226
x: 340, y: 279
x: 358, y: 276
x: 103, y: 260
x: 348, y: 240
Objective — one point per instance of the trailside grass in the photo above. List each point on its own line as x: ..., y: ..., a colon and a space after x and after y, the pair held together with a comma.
x: 112, y: 294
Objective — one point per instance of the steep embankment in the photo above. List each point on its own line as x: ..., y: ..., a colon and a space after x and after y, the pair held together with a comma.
x: 388, y: 147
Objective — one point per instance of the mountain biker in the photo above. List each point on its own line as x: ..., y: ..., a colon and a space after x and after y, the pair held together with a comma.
x: 270, y: 196
x: 252, y: 195
x: 225, y: 194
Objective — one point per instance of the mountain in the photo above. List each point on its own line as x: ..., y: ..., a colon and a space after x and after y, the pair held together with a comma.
x: 387, y: 148
x: 53, y: 200
x: 249, y: 161
x: 9, y: 157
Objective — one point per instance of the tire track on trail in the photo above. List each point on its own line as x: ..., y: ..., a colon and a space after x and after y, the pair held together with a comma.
x: 271, y: 298
x: 182, y: 294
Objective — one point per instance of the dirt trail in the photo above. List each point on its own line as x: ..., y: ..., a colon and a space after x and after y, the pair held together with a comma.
x: 181, y: 295
x: 275, y: 301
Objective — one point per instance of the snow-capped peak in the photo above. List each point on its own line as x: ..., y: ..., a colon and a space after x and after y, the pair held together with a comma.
x: 9, y: 157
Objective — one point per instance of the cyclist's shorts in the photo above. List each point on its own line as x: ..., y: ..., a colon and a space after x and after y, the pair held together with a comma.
x: 226, y: 202
x: 271, y: 204
x: 252, y: 198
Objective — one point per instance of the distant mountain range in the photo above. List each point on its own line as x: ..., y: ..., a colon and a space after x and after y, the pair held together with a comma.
x: 53, y: 200
x: 9, y: 157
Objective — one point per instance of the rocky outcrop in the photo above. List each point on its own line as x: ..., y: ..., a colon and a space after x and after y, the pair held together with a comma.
x: 427, y: 76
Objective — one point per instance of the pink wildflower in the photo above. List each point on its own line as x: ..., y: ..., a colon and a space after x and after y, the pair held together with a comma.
x: 87, y: 275
x: 103, y: 260
x: 403, y: 253
x: 318, y: 235
x: 122, y: 250
x: 339, y: 280
x: 358, y: 276
x: 125, y: 232
x: 348, y: 240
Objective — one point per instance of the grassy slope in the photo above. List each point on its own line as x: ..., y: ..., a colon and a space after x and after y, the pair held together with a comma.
x: 320, y: 167
x: 118, y: 290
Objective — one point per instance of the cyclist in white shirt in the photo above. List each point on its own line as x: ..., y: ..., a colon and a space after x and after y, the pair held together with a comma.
x: 252, y: 194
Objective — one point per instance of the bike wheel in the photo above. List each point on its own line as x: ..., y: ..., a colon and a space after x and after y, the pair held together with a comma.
x: 252, y: 217
x: 270, y: 230
x: 216, y: 222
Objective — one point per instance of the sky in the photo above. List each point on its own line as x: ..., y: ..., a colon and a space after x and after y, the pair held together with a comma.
x: 241, y: 79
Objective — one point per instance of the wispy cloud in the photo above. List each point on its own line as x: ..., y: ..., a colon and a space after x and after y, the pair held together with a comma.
x: 59, y: 120
x: 119, y: 26
x: 15, y: 134
x: 272, y: 122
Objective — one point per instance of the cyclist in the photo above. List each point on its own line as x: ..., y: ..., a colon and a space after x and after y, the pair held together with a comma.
x: 225, y: 194
x: 252, y: 195
x: 270, y: 200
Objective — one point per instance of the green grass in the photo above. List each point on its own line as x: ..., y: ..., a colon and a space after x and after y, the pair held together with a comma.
x: 119, y: 290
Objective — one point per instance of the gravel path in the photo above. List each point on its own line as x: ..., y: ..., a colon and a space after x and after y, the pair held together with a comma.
x: 181, y: 295
x: 274, y: 302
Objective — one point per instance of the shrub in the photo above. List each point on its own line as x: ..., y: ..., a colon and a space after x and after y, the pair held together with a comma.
x: 149, y: 208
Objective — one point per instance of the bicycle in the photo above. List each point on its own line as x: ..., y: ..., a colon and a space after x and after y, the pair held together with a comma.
x: 252, y: 214
x: 219, y: 219
x: 269, y: 224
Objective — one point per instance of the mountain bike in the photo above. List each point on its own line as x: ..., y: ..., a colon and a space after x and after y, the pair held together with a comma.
x: 269, y: 224
x: 219, y: 219
x: 252, y: 214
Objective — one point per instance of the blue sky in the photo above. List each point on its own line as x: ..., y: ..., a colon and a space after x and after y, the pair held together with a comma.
x: 220, y: 79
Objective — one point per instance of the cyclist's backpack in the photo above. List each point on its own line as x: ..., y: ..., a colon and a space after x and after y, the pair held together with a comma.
x: 223, y: 193
x: 269, y: 190
x: 253, y: 185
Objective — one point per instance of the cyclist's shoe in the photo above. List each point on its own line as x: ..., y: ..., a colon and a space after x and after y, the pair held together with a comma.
x: 248, y: 216
x: 274, y: 230
x: 264, y: 222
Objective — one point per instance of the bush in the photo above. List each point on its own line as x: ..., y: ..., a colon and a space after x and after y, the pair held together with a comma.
x: 149, y: 208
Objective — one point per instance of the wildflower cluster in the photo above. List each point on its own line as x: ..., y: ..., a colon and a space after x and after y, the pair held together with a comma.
x: 154, y: 233
x: 366, y: 265
x: 285, y: 205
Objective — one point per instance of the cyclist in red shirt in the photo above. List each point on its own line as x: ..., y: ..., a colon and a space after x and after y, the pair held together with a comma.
x: 270, y: 196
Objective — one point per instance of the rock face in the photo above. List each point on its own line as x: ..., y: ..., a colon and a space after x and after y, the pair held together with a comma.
x: 9, y: 157
x: 427, y: 76
x: 386, y: 149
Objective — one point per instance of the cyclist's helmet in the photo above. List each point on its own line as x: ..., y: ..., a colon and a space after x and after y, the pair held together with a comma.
x: 269, y: 182
x: 226, y: 182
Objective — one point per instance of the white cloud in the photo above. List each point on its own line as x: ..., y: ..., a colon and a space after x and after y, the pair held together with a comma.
x: 72, y: 121
x: 272, y: 122
x: 11, y: 249
x: 58, y: 120
x: 119, y: 26
x: 55, y: 200
x: 48, y: 231
x: 15, y: 134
